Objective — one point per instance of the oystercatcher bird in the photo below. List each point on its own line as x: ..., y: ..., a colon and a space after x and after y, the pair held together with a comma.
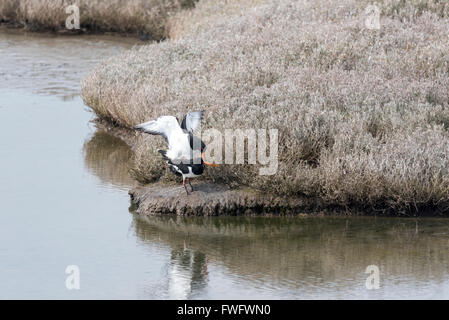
x: 183, y: 145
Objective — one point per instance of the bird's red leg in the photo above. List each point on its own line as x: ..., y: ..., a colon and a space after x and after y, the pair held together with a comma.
x: 184, y: 184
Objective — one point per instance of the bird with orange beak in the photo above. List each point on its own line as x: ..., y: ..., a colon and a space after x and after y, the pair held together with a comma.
x: 184, y: 147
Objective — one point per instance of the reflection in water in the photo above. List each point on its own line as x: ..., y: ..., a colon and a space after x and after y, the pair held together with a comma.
x: 306, y: 257
x: 187, y: 273
x: 108, y: 158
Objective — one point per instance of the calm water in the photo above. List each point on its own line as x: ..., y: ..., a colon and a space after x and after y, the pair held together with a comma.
x: 63, y: 201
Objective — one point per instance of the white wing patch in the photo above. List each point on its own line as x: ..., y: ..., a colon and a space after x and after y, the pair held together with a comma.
x: 166, y: 126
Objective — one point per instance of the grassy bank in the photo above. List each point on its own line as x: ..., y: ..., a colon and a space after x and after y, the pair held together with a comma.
x: 146, y: 18
x: 362, y: 114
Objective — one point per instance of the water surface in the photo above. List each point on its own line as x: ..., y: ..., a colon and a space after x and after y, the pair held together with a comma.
x: 64, y: 201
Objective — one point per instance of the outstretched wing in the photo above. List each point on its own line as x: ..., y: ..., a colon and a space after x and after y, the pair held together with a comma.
x: 192, y: 121
x: 166, y: 126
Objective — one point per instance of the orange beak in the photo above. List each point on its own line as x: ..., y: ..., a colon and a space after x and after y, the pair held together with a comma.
x: 208, y: 163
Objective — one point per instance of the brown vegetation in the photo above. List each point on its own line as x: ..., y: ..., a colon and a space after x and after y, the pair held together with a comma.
x: 362, y: 114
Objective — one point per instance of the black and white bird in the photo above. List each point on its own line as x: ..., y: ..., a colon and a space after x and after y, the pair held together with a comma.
x: 185, y: 154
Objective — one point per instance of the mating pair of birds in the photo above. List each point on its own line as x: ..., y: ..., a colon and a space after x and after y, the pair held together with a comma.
x: 183, y: 145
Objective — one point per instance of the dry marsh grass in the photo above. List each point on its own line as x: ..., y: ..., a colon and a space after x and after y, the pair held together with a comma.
x: 148, y: 18
x: 362, y: 114
x: 205, y: 15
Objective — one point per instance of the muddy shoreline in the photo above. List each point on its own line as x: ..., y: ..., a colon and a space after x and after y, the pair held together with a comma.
x: 209, y: 199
